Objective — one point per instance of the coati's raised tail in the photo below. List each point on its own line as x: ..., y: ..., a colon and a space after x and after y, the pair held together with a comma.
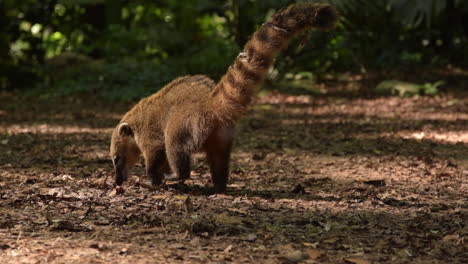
x: 193, y: 114
x: 249, y: 70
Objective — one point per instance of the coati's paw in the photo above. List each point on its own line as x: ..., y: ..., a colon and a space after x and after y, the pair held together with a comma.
x: 119, y: 190
x: 180, y: 187
x: 152, y: 187
x: 156, y: 181
x: 171, y: 177
x: 219, y: 188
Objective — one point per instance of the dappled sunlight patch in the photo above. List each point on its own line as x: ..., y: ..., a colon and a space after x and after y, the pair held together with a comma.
x: 279, y: 98
x: 436, y: 136
x: 446, y: 108
x: 368, y: 112
x: 76, y: 249
x: 51, y: 129
x: 80, y: 115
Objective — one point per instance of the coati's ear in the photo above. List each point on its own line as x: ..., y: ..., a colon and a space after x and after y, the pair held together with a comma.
x: 125, y: 130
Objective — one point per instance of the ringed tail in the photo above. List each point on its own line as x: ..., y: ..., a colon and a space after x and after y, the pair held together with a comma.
x: 236, y: 88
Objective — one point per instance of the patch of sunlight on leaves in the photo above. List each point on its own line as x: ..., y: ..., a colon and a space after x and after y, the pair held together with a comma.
x: 60, y: 9
x: 300, y: 76
x: 262, y: 107
x: 453, y: 102
x: 36, y: 29
x: 299, y: 83
x: 25, y: 26
x: 226, y: 219
x: 401, y: 88
x: 18, y: 47
x: 356, y: 261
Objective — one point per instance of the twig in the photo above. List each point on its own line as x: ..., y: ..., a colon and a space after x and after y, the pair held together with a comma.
x: 104, y: 183
x: 19, y: 236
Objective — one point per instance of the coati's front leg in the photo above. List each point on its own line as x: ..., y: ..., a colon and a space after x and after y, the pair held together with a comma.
x: 156, y: 165
x: 218, y: 159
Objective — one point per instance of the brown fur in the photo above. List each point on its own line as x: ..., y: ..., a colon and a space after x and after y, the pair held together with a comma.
x: 193, y: 114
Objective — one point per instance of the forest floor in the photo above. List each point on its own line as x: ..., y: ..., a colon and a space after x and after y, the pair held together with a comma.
x: 344, y: 176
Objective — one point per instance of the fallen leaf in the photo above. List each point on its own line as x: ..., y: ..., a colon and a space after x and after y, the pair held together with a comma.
x: 330, y: 240
x: 451, y: 237
x: 295, y: 256
x: 186, y: 234
x: 250, y: 238
x: 180, y: 197
x: 314, y: 253
x: 228, y: 248
x: 188, y: 205
x: 176, y: 246
x: 119, y: 190
x: 160, y: 197
x: 224, y: 218
x: 356, y: 261
x: 259, y: 156
x: 195, y: 242
x: 381, y: 244
x: 237, y: 210
x: 378, y: 183
x: 37, y: 149
x: 312, y: 245
x: 57, y: 192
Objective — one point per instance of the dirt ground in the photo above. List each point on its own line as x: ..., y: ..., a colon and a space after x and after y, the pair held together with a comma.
x: 340, y: 177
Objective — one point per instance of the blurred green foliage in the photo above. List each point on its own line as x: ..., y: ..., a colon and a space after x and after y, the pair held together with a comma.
x: 388, y: 33
x: 125, y: 49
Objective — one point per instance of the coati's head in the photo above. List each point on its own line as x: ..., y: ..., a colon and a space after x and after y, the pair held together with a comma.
x: 124, y: 151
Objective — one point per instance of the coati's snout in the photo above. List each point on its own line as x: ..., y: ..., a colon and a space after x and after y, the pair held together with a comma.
x: 121, y: 173
x: 124, y: 152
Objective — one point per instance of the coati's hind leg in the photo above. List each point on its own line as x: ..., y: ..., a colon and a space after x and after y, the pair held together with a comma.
x: 179, y: 162
x: 218, y: 152
x: 156, y: 165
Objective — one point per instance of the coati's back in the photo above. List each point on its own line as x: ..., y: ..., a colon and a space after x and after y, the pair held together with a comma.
x: 192, y: 113
x: 188, y: 92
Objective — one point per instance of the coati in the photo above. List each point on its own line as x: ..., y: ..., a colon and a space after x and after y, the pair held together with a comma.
x: 193, y: 113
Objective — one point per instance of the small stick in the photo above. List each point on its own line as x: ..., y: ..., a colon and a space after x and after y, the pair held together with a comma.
x: 104, y: 183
